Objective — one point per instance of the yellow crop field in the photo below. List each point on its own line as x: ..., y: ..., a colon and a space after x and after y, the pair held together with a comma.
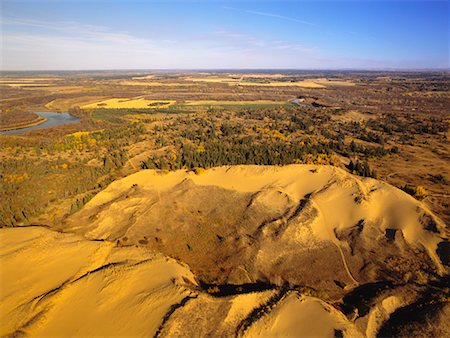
x: 26, y: 84
x: 308, y: 83
x: 130, y: 103
x: 240, y: 82
x: 304, y: 84
x: 213, y: 79
x: 27, y: 80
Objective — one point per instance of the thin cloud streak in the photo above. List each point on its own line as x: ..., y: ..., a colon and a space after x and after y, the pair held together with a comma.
x: 272, y: 15
x: 245, y: 41
x: 93, y: 33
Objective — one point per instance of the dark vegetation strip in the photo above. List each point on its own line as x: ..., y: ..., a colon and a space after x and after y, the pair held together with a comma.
x: 261, y: 311
x: 225, y: 290
x: 422, y: 311
x: 169, y: 313
x: 361, y: 298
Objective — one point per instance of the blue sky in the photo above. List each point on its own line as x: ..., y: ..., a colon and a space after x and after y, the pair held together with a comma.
x: 65, y: 35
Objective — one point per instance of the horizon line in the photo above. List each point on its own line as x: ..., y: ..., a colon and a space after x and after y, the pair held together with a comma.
x: 226, y: 69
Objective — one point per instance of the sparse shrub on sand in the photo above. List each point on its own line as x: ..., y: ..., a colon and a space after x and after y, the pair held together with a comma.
x: 418, y: 192
x: 199, y: 171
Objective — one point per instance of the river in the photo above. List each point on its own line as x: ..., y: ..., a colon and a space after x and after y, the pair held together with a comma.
x: 53, y: 120
x: 309, y: 105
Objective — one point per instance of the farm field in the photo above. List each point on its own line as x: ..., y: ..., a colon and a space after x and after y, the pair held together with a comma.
x: 304, y: 84
x: 129, y: 103
x: 243, y: 82
x: 26, y: 84
x: 271, y: 81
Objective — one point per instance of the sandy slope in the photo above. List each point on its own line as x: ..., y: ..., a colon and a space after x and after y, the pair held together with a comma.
x: 56, y: 284
x: 60, y: 284
x: 298, y: 250
x: 299, y: 316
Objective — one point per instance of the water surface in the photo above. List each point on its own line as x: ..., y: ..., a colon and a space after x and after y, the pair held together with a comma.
x: 53, y: 120
x: 309, y: 105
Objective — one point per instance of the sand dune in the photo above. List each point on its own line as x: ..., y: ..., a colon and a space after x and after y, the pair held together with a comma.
x: 56, y: 284
x: 60, y: 284
x: 273, y: 216
x: 299, y: 250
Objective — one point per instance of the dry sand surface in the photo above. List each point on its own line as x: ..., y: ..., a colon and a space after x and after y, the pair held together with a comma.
x: 302, y: 316
x: 257, y: 251
x: 57, y: 284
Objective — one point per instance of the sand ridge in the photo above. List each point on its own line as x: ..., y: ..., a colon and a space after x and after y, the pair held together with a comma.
x: 330, y: 189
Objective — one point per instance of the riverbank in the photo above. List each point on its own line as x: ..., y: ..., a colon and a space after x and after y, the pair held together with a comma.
x: 35, y: 122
